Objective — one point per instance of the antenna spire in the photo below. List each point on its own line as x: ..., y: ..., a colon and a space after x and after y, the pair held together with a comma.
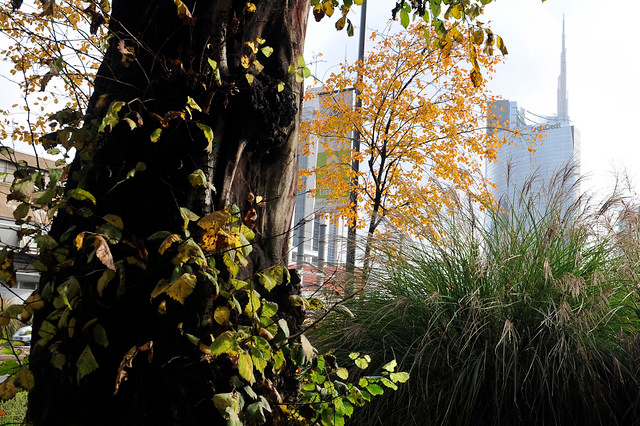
x: 563, y: 99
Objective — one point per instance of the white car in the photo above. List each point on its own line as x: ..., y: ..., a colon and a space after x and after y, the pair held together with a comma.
x: 23, y: 334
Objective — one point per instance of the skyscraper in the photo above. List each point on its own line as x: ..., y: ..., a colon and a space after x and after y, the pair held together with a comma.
x: 537, y: 145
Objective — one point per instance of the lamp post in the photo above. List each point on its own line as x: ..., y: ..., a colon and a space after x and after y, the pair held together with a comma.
x: 355, y: 164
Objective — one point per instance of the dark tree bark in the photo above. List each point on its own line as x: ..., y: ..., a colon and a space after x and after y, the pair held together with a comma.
x: 253, y: 151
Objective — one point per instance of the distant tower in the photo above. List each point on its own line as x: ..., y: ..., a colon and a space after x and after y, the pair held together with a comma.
x: 516, y: 164
x: 563, y: 99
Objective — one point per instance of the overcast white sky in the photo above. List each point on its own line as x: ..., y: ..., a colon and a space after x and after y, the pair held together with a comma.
x: 602, y: 68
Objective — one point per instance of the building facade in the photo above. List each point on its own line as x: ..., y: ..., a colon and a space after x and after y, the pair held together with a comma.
x: 25, y: 250
x: 318, y: 245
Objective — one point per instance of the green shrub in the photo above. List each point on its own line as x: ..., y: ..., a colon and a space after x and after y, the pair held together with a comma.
x: 526, y: 317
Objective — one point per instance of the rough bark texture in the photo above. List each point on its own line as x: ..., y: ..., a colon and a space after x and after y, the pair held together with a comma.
x: 254, y: 150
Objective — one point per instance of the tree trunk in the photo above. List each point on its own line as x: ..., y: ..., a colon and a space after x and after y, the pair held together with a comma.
x: 253, y: 151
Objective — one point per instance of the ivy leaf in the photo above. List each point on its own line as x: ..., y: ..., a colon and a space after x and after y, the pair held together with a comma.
x: 399, y: 377
x: 184, y: 14
x: 115, y: 220
x: 181, y: 288
x: 208, y: 134
x: 255, y: 412
x: 309, y: 351
x: 24, y: 378
x: 21, y: 211
x: 111, y: 118
x: 375, y: 389
x: 269, y: 309
x: 228, y: 405
x: 267, y: 51
x: 192, y: 104
x: 86, y: 363
x: 105, y: 279
x: 224, y: 343
x: 100, y: 335
x: 280, y: 86
x: 500, y: 44
x: 343, y: 373
x: 253, y: 304
x: 81, y: 194
x: 361, y: 363
x: 198, y: 178
x: 222, y: 315
x: 273, y: 276
x: 245, y: 367
x: 390, y: 366
x: 168, y: 241
x: 103, y: 253
x: 155, y: 135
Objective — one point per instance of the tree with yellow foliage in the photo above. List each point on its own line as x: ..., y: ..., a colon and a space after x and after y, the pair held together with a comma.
x: 422, y: 128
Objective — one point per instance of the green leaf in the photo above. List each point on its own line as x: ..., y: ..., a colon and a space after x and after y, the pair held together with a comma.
x: 111, y: 118
x: 269, y: 309
x: 375, y: 390
x: 86, y: 363
x: 21, y: 211
x: 253, y: 304
x: 267, y: 51
x: 155, y: 135
x: 404, y: 18
x: 105, y: 279
x: 100, y: 335
x: 361, y: 363
x: 343, y: 373
x: 81, y: 194
x: 45, y: 242
x: 301, y: 62
x: 388, y: 383
x: 229, y: 406
x: 280, y: 86
x: 198, y: 178
x: 208, y: 134
x: 255, y: 412
x: 224, y: 343
x: 192, y: 104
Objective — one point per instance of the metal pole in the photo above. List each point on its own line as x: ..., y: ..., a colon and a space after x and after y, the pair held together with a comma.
x: 355, y: 164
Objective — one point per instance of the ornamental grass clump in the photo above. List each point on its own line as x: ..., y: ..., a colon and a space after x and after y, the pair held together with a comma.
x: 526, y: 315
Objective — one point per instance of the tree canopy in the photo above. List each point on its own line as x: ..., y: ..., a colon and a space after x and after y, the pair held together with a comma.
x: 422, y: 127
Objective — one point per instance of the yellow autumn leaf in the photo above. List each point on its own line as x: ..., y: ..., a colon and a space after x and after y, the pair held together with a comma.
x: 181, y: 288
x: 222, y: 315
x: 24, y: 378
x: 245, y: 61
x: 252, y: 46
x: 170, y: 240
x: 79, y: 240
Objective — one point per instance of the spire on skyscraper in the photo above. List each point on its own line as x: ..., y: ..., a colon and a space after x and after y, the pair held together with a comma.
x: 563, y: 100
